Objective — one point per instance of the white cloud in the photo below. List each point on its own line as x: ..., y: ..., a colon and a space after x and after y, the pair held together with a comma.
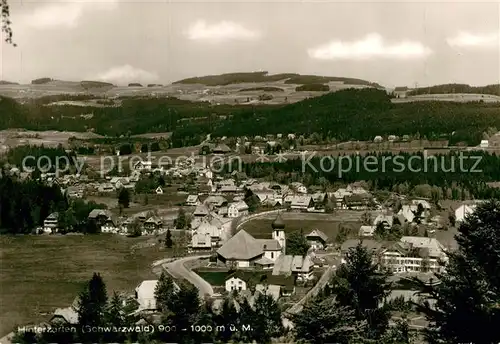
x: 63, y: 14
x: 222, y: 31
x: 126, y: 74
x: 371, y: 46
x: 470, y: 40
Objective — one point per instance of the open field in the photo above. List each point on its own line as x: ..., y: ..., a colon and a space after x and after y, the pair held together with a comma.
x: 41, y: 273
x: 452, y: 97
x: 18, y: 137
x: 327, y: 223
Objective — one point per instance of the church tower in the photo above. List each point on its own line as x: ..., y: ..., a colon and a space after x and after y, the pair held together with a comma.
x: 279, y: 232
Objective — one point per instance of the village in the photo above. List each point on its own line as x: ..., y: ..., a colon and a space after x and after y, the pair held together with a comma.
x: 231, y: 232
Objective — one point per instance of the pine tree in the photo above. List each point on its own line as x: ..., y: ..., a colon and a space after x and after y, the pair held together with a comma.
x: 124, y: 198
x: 168, y: 239
x: 465, y: 306
x: 267, y: 322
x: 115, y: 317
x: 322, y: 320
x: 226, y: 316
x: 164, y: 292
x: 360, y: 285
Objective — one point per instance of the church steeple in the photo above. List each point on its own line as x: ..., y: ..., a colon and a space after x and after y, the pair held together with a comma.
x: 278, y: 223
x: 279, y: 232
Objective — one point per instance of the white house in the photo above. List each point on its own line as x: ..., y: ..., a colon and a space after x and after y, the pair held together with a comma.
x: 145, y: 294
x: 237, y: 209
x: 142, y: 165
x: 484, y: 144
x: 237, y: 281
x: 463, y: 211
x: 51, y: 223
x: 366, y: 231
x: 159, y: 190
x: 193, y: 201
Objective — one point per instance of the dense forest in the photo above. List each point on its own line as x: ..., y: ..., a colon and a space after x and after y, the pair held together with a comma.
x: 457, y: 88
x: 349, y: 114
x: 313, y: 87
x: 290, y: 78
x: 440, y: 177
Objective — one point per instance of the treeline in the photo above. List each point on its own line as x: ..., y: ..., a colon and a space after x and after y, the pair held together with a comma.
x: 19, y: 155
x: 354, y: 114
x: 313, y: 88
x: 401, y: 173
x: 24, y: 205
x: 456, y: 88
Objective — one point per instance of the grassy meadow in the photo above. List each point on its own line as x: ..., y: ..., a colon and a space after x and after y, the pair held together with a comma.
x: 41, y: 273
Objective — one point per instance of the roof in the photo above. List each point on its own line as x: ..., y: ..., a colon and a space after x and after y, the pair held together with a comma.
x: 154, y: 219
x: 370, y: 244
x: 432, y: 245
x: 222, y: 148
x: 192, y: 198
x: 207, y: 228
x: 68, y: 314
x: 216, y: 200
x: 278, y: 223
x: 269, y: 244
x: 242, y: 246
x: 319, y: 234
x: 301, y: 200
x: 201, y: 210
x: 241, y: 205
x: 366, y: 230
x: 287, y: 264
x: 272, y: 290
x: 264, y: 261
x: 99, y: 212
x: 280, y: 280
x: 146, y: 289
x: 401, y: 89
x: 53, y: 216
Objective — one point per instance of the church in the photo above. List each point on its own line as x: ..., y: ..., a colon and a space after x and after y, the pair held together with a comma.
x: 245, y: 251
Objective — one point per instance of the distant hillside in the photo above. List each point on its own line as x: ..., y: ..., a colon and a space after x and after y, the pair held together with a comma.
x: 4, y: 82
x: 41, y: 81
x: 456, y: 88
x: 134, y: 84
x: 313, y: 88
x: 290, y: 78
x: 95, y: 84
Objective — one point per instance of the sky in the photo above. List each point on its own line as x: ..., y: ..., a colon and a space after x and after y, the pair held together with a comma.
x: 394, y: 43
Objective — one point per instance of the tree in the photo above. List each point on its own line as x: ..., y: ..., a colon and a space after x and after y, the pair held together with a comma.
x: 359, y: 285
x: 181, y: 220
x: 466, y: 307
x: 366, y: 218
x: 168, y: 239
x: 296, y: 244
x: 92, y: 305
x: 115, y: 316
x: 267, y: 318
x: 343, y: 233
x: 185, y: 311
x: 6, y: 28
x: 164, y: 292
x: 124, y: 198
x: 322, y: 320
x: 227, y: 315
x: 135, y: 228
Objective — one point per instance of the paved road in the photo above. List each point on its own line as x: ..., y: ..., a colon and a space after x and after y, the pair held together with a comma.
x: 178, y: 270
x: 325, y: 278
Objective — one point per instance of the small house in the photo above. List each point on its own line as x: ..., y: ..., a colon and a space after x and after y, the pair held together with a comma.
x: 51, y: 223
x: 237, y: 209
x: 193, y: 201
x: 159, y: 190
x: 317, y: 239
x: 153, y: 223
x: 145, y: 295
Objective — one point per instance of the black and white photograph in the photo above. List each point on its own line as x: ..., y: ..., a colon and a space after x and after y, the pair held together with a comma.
x: 230, y: 171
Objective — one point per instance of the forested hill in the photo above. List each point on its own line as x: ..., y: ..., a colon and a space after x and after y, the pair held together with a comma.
x: 359, y: 115
x: 351, y: 114
x: 258, y: 77
x: 457, y: 88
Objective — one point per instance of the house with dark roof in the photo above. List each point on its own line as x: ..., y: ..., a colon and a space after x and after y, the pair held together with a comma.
x: 221, y: 149
x: 317, y: 239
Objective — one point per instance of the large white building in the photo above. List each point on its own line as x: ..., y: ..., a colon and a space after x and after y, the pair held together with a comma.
x: 410, y: 254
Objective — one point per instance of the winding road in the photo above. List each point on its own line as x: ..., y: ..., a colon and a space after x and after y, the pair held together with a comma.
x: 177, y: 269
